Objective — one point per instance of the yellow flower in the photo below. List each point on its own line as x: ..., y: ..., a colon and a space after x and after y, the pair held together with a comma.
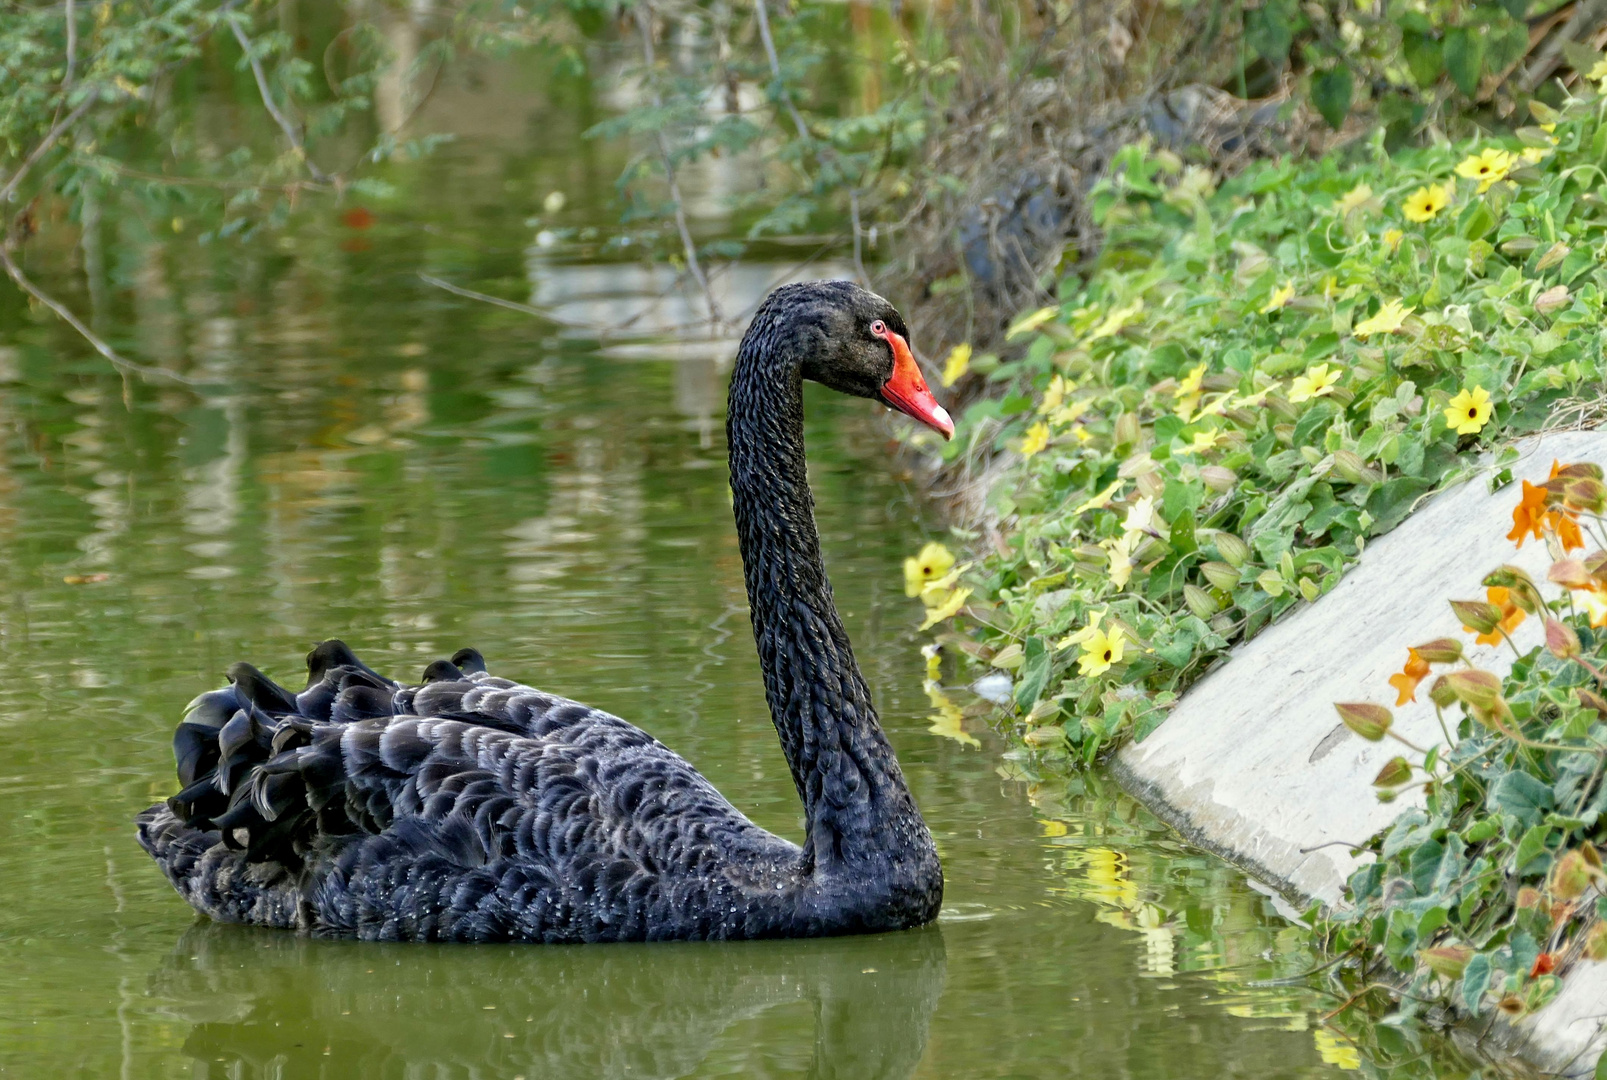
x: 1422, y: 204
x: 946, y: 610
x: 1595, y: 606
x: 1468, y: 412
x: 1030, y: 322
x: 1036, y: 439
x: 1187, y: 393
x: 1120, y: 552
x: 1191, y: 382
x: 1387, y: 321
x: 1140, y: 516
x: 1316, y: 382
x: 1534, y: 155
x: 1116, y: 320
x: 921, y: 570
x: 957, y: 364
x: 1058, y: 388
x: 1392, y: 239
x: 1098, y: 502
x: 1487, y: 166
x: 1081, y: 635
x: 1280, y: 296
x: 1068, y: 413
x: 1599, y: 72
x: 1203, y: 441
x: 1353, y: 198
x: 1100, y: 651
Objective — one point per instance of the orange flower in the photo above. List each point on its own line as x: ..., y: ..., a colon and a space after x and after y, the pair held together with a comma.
x: 1511, y: 616
x: 1566, y: 525
x: 1406, y: 681
x: 1528, y: 517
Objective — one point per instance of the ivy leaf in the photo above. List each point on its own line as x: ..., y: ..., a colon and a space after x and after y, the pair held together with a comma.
x: 1268, y: 31
x: 1034, y: 673
x: 1476, y: 980
x: 1425, y: 57
x: 1464, y: 58
x: 1531, y: 846
x: 1521, y: 795
x: 1331, y: 94
x: 1392, y: 500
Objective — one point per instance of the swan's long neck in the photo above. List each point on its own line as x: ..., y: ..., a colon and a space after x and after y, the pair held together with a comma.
x: 859, y: 812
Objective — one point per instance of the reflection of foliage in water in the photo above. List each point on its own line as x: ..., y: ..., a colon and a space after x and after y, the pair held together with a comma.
x: 1196, y: 921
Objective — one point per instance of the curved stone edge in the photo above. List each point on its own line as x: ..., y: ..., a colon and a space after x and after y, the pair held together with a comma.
x: 1254, y: 766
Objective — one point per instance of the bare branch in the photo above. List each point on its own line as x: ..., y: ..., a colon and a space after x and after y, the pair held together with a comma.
x: 72, y: 45
x: 44, y: 146
x: 760, y: 10
x: 775, y: 68
x: 94, y: 339
x: 273, y: 109
x: 643, y: 22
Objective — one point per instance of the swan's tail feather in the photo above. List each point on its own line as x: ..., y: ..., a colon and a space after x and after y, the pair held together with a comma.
x: 261, y: 768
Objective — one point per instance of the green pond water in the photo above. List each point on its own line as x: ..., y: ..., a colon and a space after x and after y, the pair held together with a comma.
x: 380, y: 460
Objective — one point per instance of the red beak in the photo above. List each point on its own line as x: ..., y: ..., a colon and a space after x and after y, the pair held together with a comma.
x: 906, y: 391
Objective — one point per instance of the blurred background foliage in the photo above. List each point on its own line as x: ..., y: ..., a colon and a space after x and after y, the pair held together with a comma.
x: 947, y: 145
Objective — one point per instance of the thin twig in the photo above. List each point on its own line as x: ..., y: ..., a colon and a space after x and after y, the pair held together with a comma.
x: 643, y: 22
x: 72, y: 45
x: 88, y: 335
x: 273, y: 109
x: 45, y: 144
x: 775, y: 68
x: 763, y: 14
x: 853, y: 212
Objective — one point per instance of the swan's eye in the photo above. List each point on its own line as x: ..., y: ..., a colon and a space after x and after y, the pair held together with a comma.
x: 878, y: 328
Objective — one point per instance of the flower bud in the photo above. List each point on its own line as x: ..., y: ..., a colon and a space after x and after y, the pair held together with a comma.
x: 1476, y: 688
x: 1585, y: 493
x: 1519, y: 585
x: 1349, y: 464
x: 1477, y: 615
x: 1570, y: 574
x: 1199, y: 601
x: 1592, y: 700
x: 1127, y: 430
x: 1218, y: 478
x: 1581, y: 469
x: 1440, y: 651
x: 1369, y: 721
x: 1553, y: 299
x: 1596, y: 941
x: 1441, y: 694
x: 1234, y: 552
x: 1396, y: 771
x: 1570, y: 877
x: 1221, y: 575
x: 1561, y: 641
x: 1528, y: 898
x: 1448, y: 961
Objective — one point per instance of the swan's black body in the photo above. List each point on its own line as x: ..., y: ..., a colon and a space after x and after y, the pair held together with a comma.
x: 471, y: 808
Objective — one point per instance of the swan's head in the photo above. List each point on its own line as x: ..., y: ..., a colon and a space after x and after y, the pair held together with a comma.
x: 861, y: 346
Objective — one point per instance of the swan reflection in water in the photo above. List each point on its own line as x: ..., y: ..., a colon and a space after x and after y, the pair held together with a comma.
x: 268, y: 1005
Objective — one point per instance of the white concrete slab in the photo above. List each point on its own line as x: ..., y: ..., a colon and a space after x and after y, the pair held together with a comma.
x: 1254, y: 764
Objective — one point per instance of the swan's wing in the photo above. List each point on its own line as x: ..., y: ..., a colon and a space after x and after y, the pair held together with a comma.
x: 496, y: 788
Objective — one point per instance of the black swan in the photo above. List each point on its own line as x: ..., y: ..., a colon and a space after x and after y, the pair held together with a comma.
x: 472, y: 808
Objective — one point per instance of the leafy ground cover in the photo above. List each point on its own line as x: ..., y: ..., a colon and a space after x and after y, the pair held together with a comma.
x: 1254, y: 379
x: 1491, y: 888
